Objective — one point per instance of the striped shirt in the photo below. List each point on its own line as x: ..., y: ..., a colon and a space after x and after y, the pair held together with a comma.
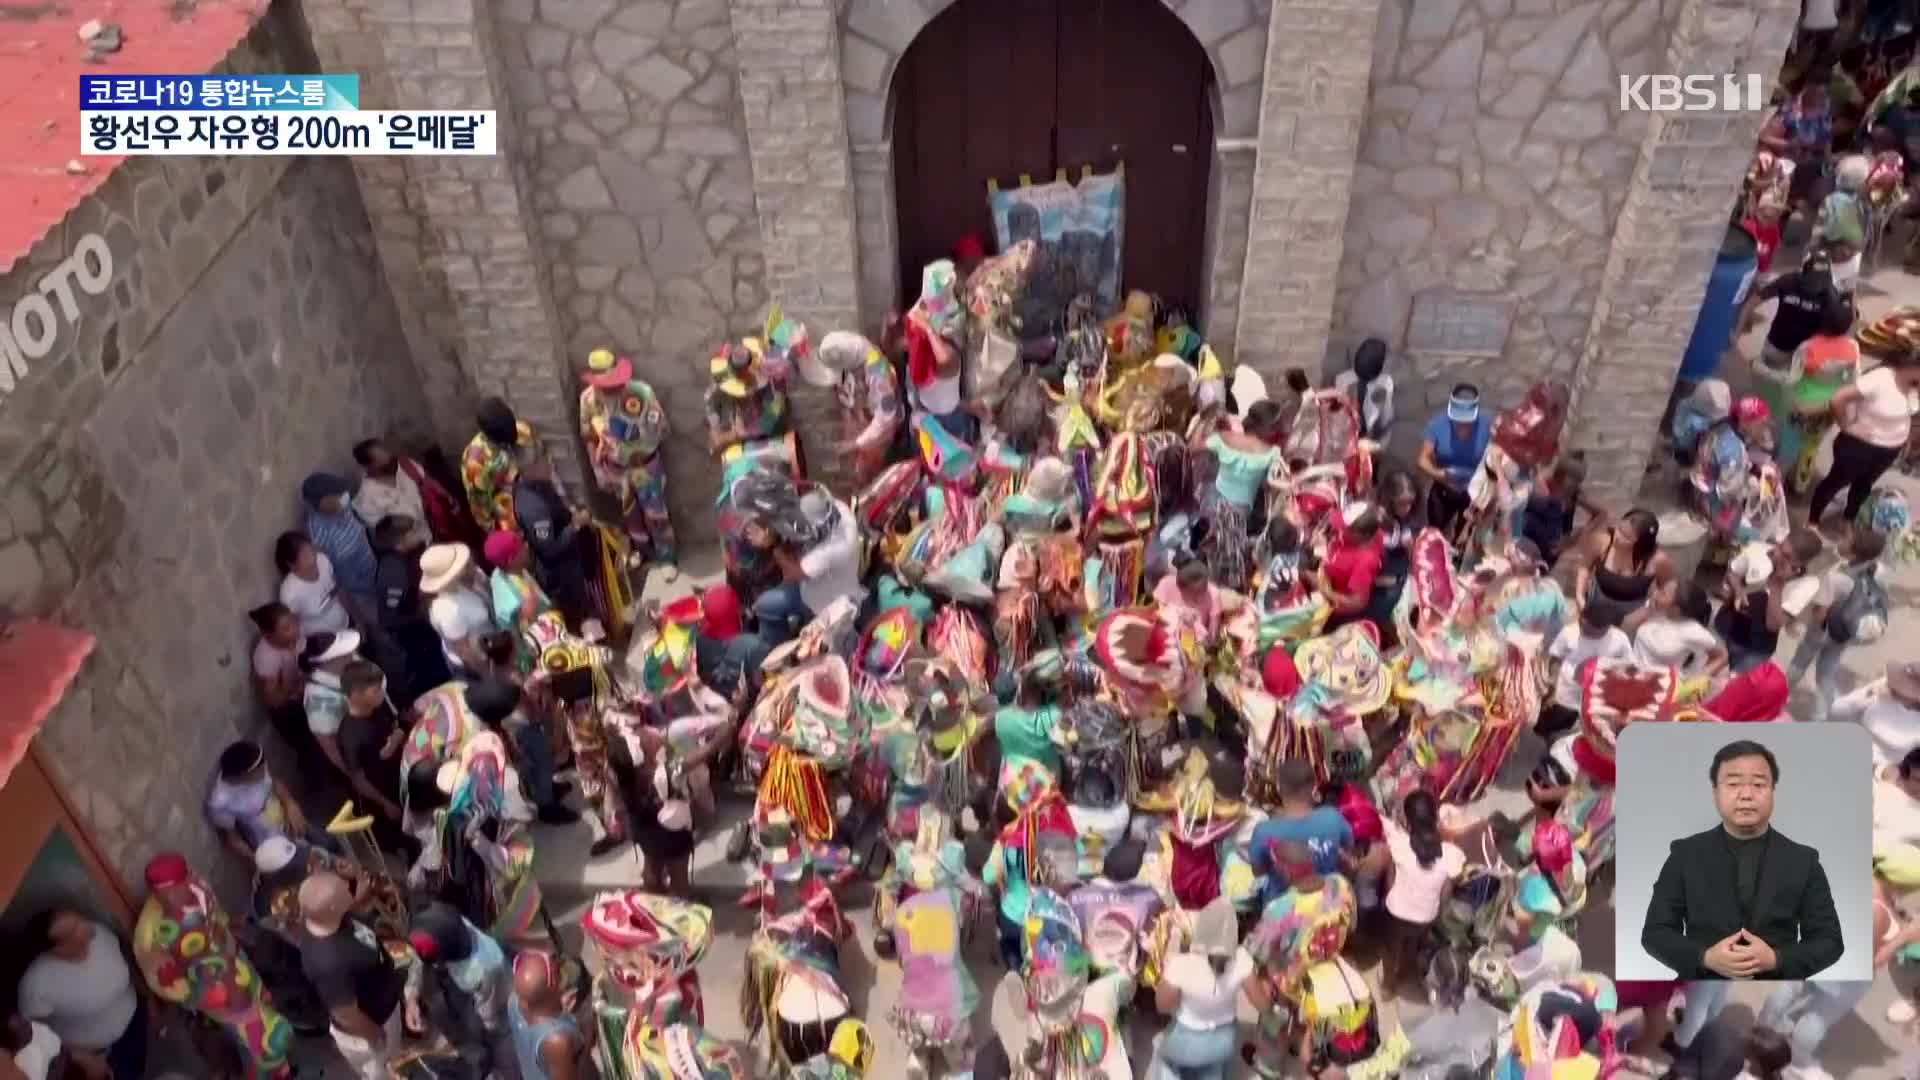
x: 341, y: 538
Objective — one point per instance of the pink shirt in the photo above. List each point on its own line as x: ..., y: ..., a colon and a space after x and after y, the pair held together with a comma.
x: 1417, y: 892
x: 1205, y: 617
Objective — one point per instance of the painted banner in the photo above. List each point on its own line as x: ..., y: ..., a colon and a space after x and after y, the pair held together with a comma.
x: 1078, y: 227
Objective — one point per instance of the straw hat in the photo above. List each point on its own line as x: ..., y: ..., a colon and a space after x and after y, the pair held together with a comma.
x: 606, y: 371
x: 839, y: 353
x: 442, y: 565
x: 335, y: 647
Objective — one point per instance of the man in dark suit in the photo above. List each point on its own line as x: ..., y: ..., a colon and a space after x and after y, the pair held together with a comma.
x: 1741, y: 901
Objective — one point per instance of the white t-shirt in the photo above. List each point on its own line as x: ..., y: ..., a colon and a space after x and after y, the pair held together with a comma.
x: 1678, y: 643
x: 1573, y: 649
x: 315, y: 603
x: 1206, y: 999
x: 1892, y: 724
x: 940, y: 396
x: 832, y: 568
x: 1821, y: 15
x: 1418, y: 891
x: 1796, y: 597
x: 456, y: 615
x: 88, y: 1004
x: 35, y: 1059
x: 1884, y: 416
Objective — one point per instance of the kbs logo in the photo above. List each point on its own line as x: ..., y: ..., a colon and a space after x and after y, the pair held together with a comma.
x: 1692, y: 93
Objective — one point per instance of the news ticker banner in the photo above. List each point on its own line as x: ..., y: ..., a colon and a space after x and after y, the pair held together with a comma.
x: 265, y: 115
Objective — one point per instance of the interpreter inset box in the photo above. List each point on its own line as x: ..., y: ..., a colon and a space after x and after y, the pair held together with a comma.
x: 1744, y: 851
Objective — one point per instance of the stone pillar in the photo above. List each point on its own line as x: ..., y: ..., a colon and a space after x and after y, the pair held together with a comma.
x: 789, y: 56
x: 457, y: 233
x: 1318, y: 58
x: 1670, y: 227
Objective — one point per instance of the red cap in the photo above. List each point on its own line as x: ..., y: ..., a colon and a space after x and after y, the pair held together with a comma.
x: 1278, y: 673
x: 1758, y: 695
x: 502, y: 547
x: 721, y: 607
x: 424, y: 945
x: 1749, y: 410
x: 1552, y: 846
x: 682, y: 612
x: 167, y: 869
x: 969, y: 249
x: 1361, y: 815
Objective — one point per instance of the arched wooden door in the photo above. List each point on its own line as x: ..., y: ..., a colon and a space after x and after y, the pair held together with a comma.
x: 994, y: 89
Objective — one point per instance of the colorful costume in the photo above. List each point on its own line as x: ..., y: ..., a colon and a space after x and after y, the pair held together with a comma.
x: 934, y: 1013
x: 1614, y: 693
x: 1197, y: 866
x: 863, y: 382
x: 488, y: 471
x: 793, y: 989
x: 1525, y: 440
x: 580, y: 676
x: 1058, y: 969
x: 623, y: 426
x: 186, y: 950
x: 1535, y: 1049
x: 1038, y: 573
x: 518, y: 602
x: 1345, y: 682
x: 749, y: 426
x: 495, y: 878
x: 650, y: 948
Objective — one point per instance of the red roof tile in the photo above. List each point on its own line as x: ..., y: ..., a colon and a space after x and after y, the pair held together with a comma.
x: 41, y: 61
x: 37, y: 661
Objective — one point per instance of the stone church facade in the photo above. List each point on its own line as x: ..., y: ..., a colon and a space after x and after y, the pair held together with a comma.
x: 1454, y: 176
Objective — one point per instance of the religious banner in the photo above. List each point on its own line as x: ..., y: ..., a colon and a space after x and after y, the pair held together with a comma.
x: 1078, y: 229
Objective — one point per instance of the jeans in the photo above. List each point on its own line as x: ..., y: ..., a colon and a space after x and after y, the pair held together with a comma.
x: 1741, y: 660
x: 1804, y: 1011
x: 127, y: 1057
x: 1856, y: 465
x: 1012, y: 943
x: 782, y: 613
x: 536, y: 762
x: 1190, y: 1054
x: 1818, y: 650
x: 1705, y: 1001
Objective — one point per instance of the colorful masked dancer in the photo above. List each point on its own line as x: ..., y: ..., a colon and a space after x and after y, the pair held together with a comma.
x: 624, y: 425
x: 186, y: 951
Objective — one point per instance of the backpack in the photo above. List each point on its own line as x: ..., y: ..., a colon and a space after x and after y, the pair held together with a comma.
x: 1862, y: 616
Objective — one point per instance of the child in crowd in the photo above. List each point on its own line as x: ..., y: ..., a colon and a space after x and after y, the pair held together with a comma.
x: 1424, y: 867
x: 1767, y: 590
x: 1838, y: 618
x: 1594, y: 637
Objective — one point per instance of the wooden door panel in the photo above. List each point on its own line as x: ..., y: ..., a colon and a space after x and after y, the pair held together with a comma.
x: 993, y: 89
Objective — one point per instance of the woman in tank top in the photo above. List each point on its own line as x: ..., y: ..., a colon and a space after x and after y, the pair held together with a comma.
x: 1623, y: 564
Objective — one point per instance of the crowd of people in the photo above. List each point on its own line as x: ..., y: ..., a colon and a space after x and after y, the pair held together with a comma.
x: 1174, y: 681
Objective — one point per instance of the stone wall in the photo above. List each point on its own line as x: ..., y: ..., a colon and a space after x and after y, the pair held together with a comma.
x: 247, y: 337
x: 632, y: 130
x: 1492, y: 168
x: 1689, y: 169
